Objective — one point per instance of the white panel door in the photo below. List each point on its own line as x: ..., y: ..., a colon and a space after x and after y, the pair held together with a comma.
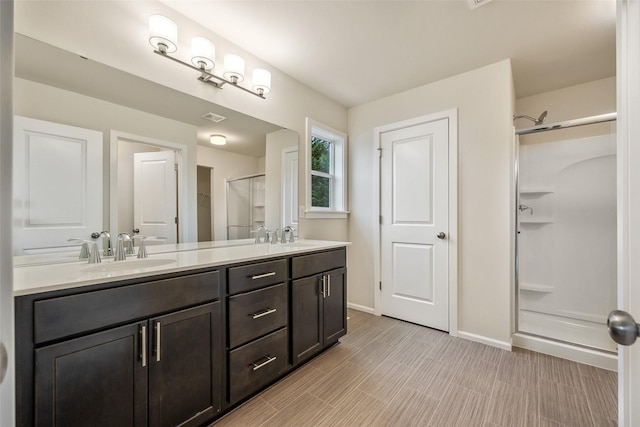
x: 155, y: 194
x: 57, y: 183
x: 414, y: 209
x: 290, y: 188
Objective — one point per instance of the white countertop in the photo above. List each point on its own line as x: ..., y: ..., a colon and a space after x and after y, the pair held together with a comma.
x: 36, y: 278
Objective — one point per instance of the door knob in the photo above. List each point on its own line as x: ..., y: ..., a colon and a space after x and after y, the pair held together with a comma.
x: 441, y: 235
x: 623, y: 329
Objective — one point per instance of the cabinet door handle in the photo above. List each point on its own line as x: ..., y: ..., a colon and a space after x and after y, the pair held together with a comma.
x: 262, y: 276
x: 143, y: 345
x: 257, y: 365
x: 324, y: 286
x: 157, y: 341
x: 328, y: 285
x: 263, y: 313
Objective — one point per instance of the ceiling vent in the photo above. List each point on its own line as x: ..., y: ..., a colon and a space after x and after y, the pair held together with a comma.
x: 216, y: 118
x: 477, y: 3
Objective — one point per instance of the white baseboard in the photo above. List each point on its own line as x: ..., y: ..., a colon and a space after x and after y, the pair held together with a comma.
x: 361, y: 308
x: 600, y: 359
x: 484, y: 340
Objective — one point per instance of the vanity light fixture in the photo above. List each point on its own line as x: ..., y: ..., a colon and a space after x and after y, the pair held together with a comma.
x: 163, y: 37
x: 218, y: 139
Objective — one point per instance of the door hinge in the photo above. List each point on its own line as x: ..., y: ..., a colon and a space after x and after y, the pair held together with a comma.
x: 379, y: 151
x: 380, y: 219
x: 380, y: 285
x: 176, y: 220
x: 175, y: 167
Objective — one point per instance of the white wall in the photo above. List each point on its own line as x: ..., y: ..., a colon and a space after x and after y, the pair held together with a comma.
x: 573, y: 102
x: 116, y: 33
x: 44, y: 102
x: 276, y: 142
x: 225, y: 165
x: 484, y: 99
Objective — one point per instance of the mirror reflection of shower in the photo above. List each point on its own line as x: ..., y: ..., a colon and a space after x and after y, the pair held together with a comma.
x: 537, y: 121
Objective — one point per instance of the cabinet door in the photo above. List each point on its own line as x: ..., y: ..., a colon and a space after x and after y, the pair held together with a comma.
x: 335, y: 309
x: 306, y: 324
x: 95, y: 380
x: 184, y: 368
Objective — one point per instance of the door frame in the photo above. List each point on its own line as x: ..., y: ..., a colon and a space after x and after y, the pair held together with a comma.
x: 452, y: 116
x: 284, y: 169
x: 181, y: 156
x: 628, y: 132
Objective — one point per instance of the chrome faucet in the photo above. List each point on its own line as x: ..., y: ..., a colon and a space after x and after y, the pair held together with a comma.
x: 89, y: 250
x: 261, y: 234
x: 121, y: 253
x: 106, y: 244
x: 288, y: 230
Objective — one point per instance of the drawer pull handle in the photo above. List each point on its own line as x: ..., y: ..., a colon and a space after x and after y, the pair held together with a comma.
x: 158, y: 334
x: 328, y: 285
x: 261, y: 276
x: 257, y: 366
x: 263, y: 313
x: 143, y: 345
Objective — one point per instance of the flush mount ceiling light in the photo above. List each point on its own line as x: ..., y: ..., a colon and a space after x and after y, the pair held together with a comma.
x: 218, y: 139
x: 163, y: 36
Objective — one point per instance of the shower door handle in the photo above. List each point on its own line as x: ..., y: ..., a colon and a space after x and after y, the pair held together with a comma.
x: 623, y: 329
x: 441, y: 235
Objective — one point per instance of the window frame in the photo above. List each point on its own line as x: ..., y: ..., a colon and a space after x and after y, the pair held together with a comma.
x: 338, y: 171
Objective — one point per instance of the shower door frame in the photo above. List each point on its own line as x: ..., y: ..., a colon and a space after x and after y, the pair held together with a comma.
x: 603, y: 118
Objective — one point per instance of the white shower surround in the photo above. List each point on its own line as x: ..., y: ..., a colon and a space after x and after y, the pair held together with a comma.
x: 567, y: 247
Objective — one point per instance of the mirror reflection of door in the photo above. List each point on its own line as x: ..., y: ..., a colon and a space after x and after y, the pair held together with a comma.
x: 204, y: 204
x: 155, y: 198
x: 154, y: 202
x: 57, y: 185
x: 290, y: 188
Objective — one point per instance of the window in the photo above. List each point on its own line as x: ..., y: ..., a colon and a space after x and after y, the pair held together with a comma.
x: 326, y: 166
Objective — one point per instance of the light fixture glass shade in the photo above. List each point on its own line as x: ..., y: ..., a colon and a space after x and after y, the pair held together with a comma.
x: 261, y: 81
x: 202, y: 51
x: 163, y: 33
x: 233, y: 67
x: 218, y: 139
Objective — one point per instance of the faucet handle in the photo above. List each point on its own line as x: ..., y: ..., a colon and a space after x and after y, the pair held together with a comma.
x: 84, y: 249
x: 142, y: 247
x: 288, y: 230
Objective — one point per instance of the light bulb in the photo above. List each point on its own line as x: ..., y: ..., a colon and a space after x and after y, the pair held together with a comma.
x: 261, y: 81
x: 233, y: 68
x: 202, y: 52
x: 163, y: 34
x: 218, y: 139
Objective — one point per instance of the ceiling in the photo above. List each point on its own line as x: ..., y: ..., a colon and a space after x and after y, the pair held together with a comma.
x: 358, y: 51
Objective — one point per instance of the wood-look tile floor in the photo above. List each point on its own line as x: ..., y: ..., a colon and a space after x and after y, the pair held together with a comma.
x: 386, y: 372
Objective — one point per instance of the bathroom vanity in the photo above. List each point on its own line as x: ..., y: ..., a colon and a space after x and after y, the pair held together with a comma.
x: 177, y: 340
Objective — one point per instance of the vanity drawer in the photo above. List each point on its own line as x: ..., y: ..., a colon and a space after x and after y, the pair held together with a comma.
x: 308, y: 265
x: 256, y: 364
x: 253, y: 276
x: 75, y: 314
x: 256, y: 313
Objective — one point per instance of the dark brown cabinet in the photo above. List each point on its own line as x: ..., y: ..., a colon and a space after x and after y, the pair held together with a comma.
x: 96, y: 380
x: 318, y: 303
x: 180, y: 349
x: 168, y: 364
x: 184, y: 367
x: 258, y: 334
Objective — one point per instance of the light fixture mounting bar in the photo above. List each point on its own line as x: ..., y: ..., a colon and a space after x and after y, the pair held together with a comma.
x: 205, y: 76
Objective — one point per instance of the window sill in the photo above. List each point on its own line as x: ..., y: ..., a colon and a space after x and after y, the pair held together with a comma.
x: 326, y: 214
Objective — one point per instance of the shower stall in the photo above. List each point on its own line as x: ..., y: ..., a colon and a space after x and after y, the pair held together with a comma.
x: 565, y: 271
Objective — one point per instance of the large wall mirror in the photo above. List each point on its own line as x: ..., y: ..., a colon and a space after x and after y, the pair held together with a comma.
x: 146, y: 130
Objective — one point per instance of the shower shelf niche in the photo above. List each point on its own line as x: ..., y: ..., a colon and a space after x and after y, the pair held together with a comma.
x: 536, y: 221
x: 537, y: 190
x: 535, y: 287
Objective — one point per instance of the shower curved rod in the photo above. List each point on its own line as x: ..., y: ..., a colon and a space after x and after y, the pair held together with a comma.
x: 609, y: 117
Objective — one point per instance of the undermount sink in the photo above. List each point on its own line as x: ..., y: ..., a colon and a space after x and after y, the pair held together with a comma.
x: 127, y: 265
